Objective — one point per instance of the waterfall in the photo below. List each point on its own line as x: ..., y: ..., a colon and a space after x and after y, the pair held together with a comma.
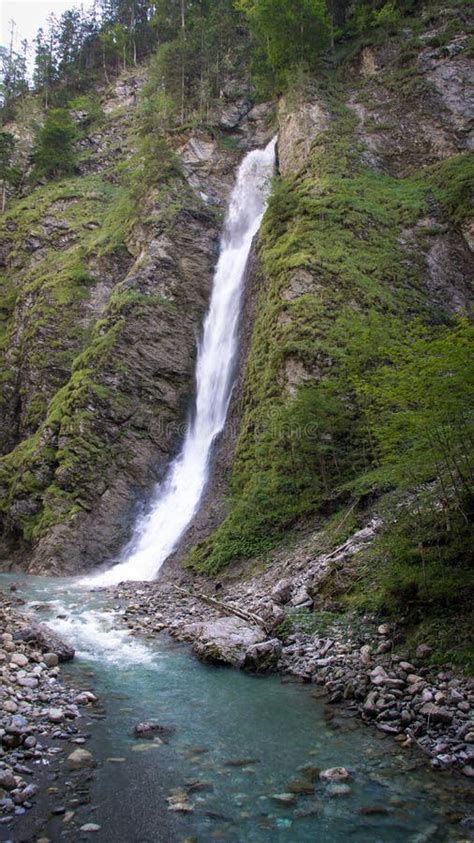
x: 176, y: 500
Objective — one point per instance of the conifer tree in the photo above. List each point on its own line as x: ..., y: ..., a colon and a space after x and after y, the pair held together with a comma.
x: 54, y: 153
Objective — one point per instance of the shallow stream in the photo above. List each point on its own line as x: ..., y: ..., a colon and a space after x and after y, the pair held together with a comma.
x: 239, y: 741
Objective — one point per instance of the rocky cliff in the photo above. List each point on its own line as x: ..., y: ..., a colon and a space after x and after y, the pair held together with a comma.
x: 104, y: 308
x: 368, y: 234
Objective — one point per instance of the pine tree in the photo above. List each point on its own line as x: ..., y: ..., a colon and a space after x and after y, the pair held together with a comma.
x: 54, y: 153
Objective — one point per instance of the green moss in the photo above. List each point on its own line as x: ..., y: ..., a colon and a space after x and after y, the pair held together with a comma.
x: 337, y: 227
x: 454, y: 180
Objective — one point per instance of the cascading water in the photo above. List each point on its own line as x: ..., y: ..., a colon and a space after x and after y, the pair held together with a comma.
x: 177, y: 499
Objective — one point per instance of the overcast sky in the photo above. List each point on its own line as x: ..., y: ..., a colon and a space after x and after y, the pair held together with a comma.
x: 29, y: 15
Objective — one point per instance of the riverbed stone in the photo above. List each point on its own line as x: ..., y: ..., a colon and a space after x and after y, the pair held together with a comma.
x: 436, y: 714
x: 334, y: 774
x: 151, y: 729
x: 55, y: 715
x: 7, y: 780
x: 19, y: 659
x: 80, y: 758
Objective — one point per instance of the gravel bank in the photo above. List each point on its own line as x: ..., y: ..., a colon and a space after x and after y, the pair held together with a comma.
x: 40, y: 723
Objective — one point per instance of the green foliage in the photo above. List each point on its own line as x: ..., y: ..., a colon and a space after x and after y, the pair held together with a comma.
x: 186, y: 72
x: 9, y: 173
x: 454, y: 177
x: 285, y: 35
x: 418, y: 570
x: 367, y: 16
x: 54, y: 152
x: 89, y: 105
x: 419, y: 404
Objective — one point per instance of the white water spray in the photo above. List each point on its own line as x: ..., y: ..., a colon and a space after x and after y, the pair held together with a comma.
x: 177, y: 498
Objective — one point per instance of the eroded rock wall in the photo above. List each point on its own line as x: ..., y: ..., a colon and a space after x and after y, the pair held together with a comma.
x: 101, y: 332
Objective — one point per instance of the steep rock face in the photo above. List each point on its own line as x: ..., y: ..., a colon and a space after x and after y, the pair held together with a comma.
x: 100, y: 335
x: 367, y: 217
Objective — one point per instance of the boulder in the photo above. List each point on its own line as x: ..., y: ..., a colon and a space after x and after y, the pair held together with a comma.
x: 282, y: 591
x: 225, y: 640
x: 7, y: 780
x: 48, y: 641
x: 80, y: 758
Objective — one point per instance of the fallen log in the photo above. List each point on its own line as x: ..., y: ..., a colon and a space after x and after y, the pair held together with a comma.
x: 223, y: 607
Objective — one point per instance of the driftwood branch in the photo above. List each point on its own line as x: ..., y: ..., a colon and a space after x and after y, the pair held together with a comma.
x: 223, y: 607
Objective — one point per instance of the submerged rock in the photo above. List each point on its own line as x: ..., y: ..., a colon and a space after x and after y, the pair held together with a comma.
x: 335, y: 774
x: 151, y: 729
x: 80, y: 758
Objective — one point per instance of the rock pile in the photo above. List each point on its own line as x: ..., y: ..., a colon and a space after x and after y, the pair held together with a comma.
x: 35, y: 707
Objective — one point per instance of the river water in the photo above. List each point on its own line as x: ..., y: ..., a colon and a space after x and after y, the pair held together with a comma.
x: 238, y: 742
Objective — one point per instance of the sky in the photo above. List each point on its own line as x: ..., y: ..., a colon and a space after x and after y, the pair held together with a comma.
x: 29, y: 15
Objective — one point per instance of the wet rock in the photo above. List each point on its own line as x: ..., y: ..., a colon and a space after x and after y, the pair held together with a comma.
x: 90, y: 828
x: 48, y: 641
x: 284, y: 798
x: 336, y: 789
x: 241, y: 762
x: 301, y: 787
x: 151, y: 729
x: 334, y: 774
x: 80, y: 759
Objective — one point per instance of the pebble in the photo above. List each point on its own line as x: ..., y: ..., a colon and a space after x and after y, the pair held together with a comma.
x: 33, y: 704
x: 55, y: 715
x: 19, y: 659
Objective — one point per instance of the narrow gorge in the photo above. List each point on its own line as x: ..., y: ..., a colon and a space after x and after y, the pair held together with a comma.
x: 236, y: 424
